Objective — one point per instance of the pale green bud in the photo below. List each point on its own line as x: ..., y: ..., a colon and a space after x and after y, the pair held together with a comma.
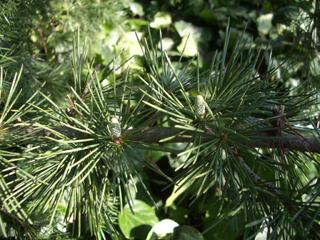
x: 200, y: 106
x: 115, y: 127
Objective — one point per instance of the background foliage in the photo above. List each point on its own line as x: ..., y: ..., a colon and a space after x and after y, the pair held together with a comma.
x: 82, y: 81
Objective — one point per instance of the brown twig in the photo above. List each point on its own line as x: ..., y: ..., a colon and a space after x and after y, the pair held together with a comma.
x: 259, y: 140
x: 42, y: 40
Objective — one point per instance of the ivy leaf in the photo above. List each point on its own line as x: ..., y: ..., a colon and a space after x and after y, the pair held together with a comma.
x: 184, y: 29
x: 161, y: 20
x: 162, y: 229
x: 264, y: 23
x: 136, y: 223
x: 188, y: 46
x: 192, y: 37
x: 136, y: 9
x: 166, y: 44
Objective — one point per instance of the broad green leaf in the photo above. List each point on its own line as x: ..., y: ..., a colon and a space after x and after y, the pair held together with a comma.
x: 200, y: 34
x: 188, y: 46
x: 186, y: 233
x: 136, y: 9
x: 131, y: 44
x: 166, y: 44
x: 191, y: 36
x: 137, y: 24
x: 138, y: 221
x: 161, y: 20
x: 262, y: 235
x: 185, y: 28
x: 264, y: 23
x: 162, y: 229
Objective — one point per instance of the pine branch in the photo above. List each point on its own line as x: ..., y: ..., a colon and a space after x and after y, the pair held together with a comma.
x: 290, y: 141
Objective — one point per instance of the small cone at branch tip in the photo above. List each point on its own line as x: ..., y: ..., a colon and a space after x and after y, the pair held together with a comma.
x: 115, y: 127
x: 200, y: 106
